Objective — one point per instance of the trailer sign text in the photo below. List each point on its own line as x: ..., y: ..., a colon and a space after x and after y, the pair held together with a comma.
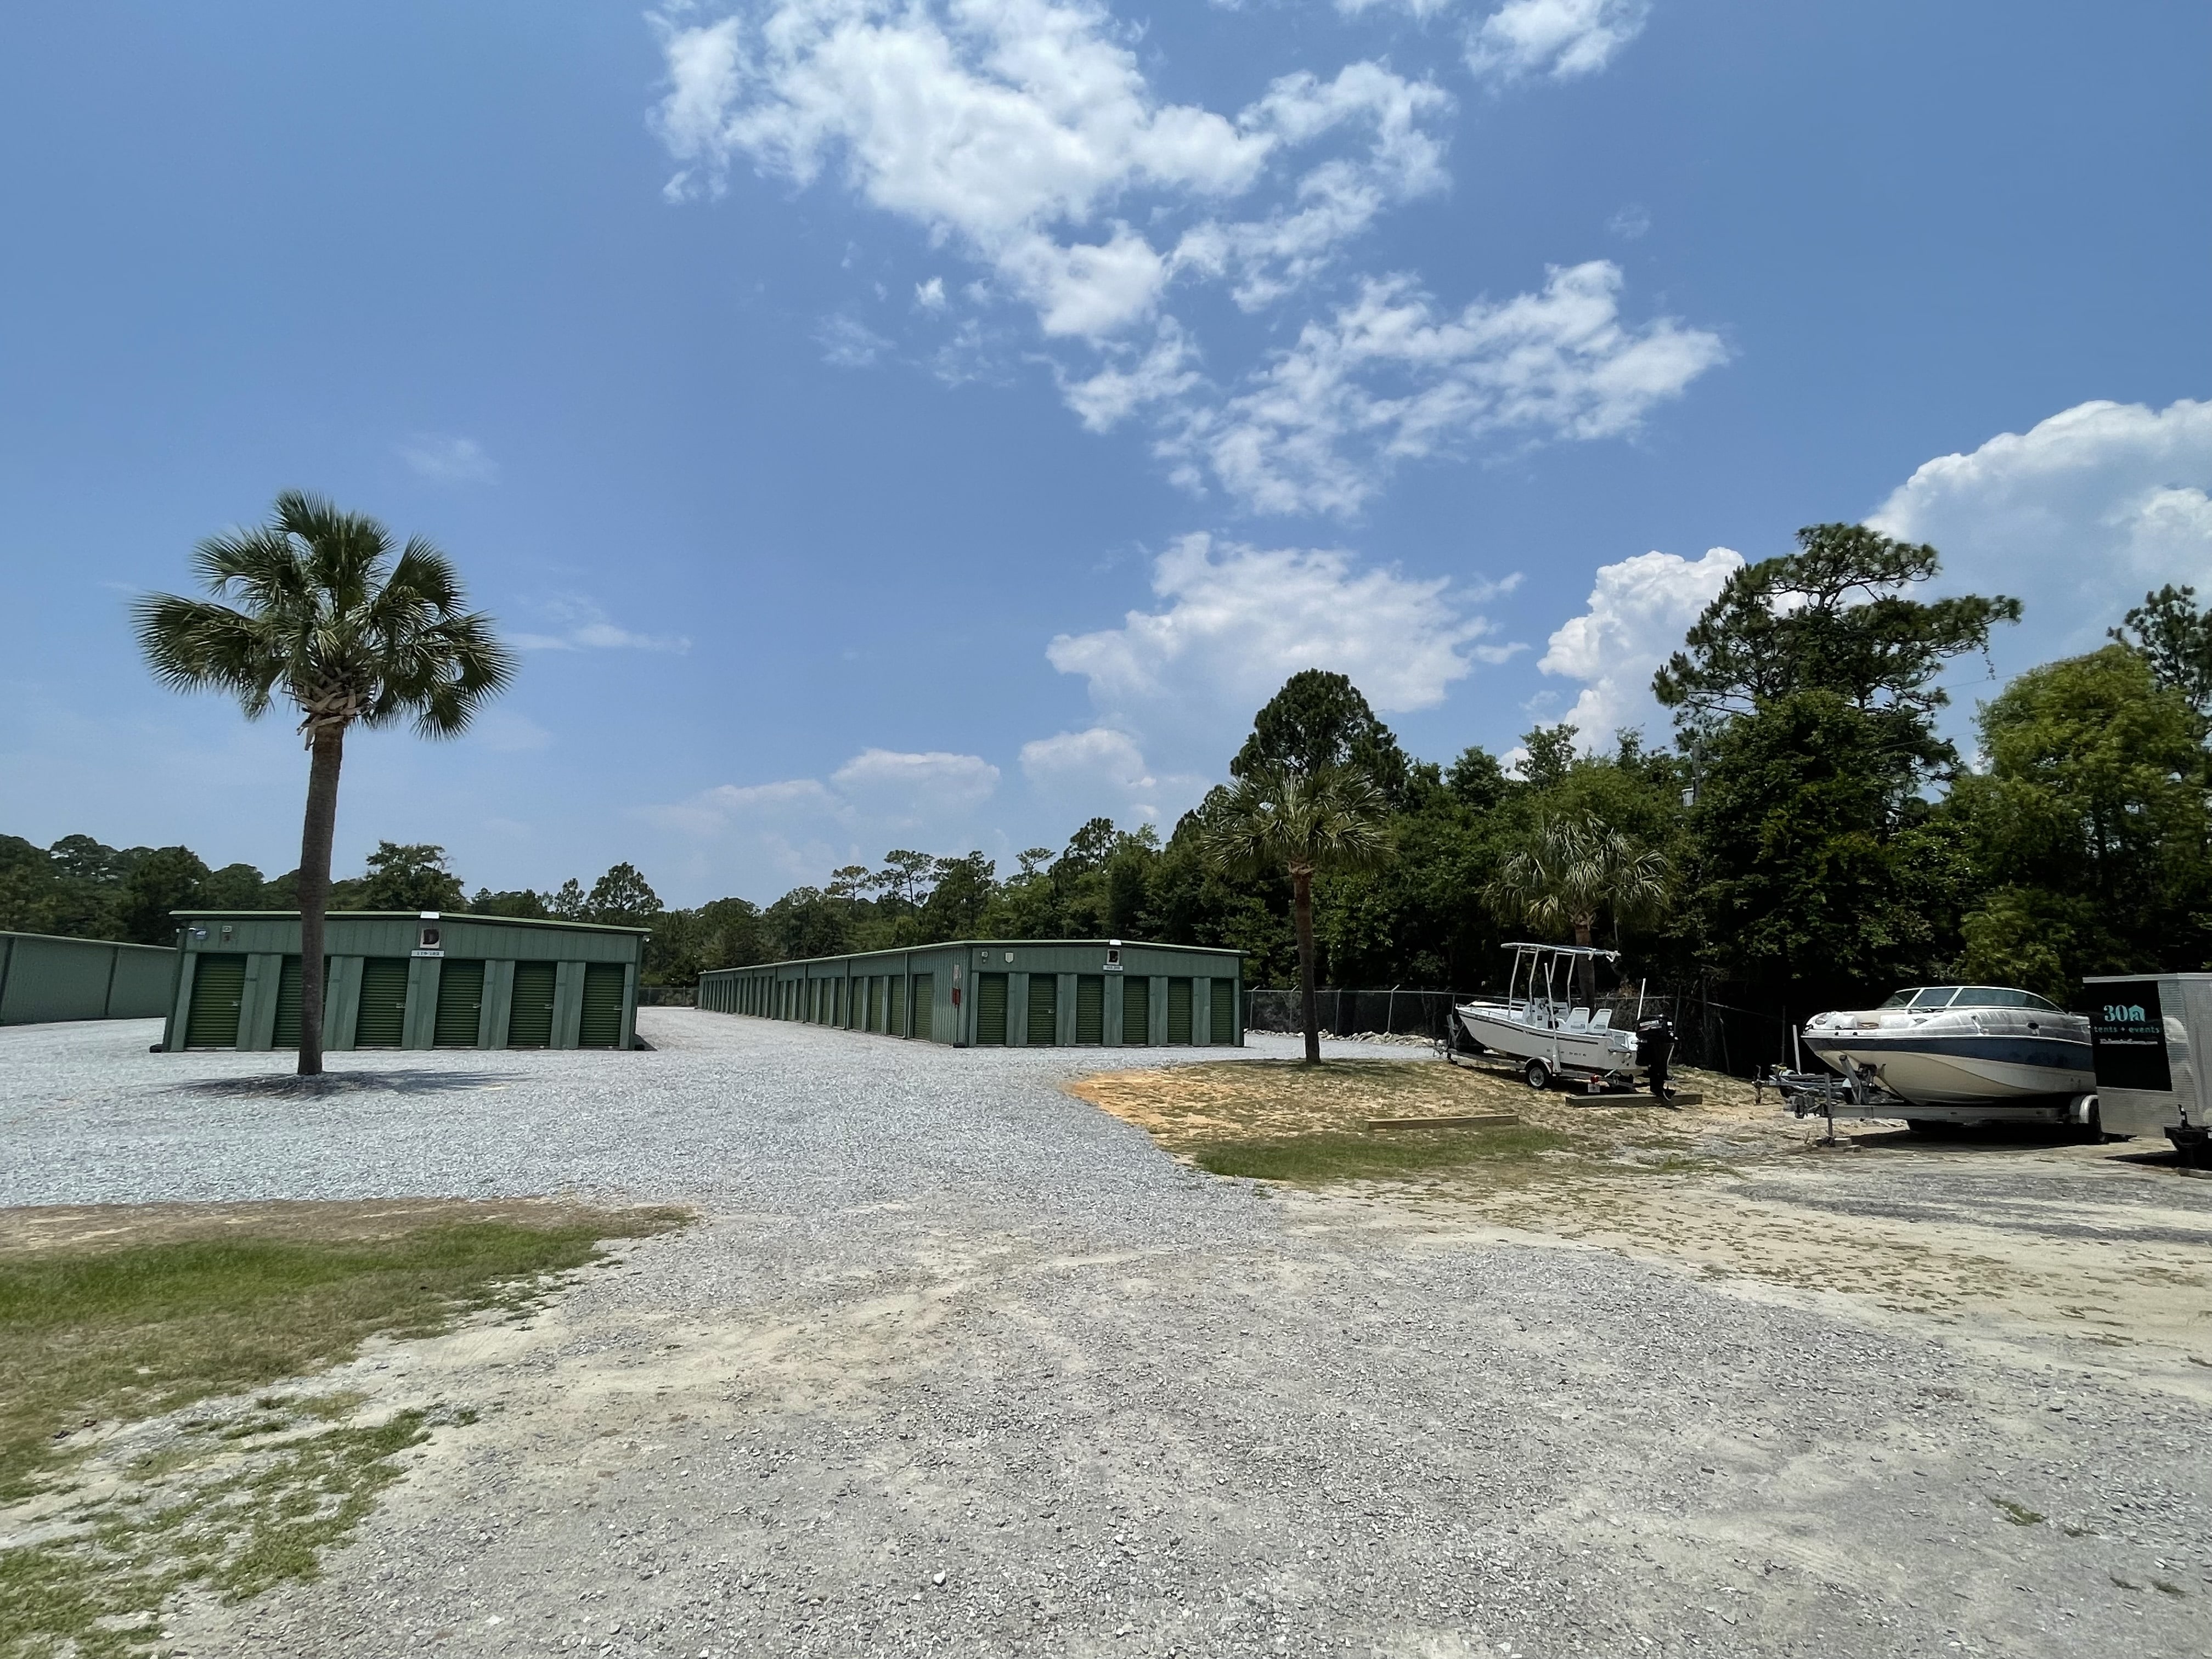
x: 2127, y: 1036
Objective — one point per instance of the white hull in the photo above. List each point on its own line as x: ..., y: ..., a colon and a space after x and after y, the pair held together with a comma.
x: 1930, y: 1076
x: 1584, y: 1049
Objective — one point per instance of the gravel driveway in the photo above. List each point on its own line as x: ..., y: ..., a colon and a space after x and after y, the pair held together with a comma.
x: 957, y: 1364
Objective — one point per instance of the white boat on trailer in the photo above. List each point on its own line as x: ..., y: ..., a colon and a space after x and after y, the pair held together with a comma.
x: 1942, y: 1055
x: 1551, y: 1023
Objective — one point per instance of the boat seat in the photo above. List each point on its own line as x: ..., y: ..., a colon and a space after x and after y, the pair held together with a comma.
x: 1577, y: 1018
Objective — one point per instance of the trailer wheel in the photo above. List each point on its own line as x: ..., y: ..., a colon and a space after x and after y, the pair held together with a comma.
x: 1539, y: 1074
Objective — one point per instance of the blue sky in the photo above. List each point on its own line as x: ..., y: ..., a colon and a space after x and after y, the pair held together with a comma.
x: 930, y: 425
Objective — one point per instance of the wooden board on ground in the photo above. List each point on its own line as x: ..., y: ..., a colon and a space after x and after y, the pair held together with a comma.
x: 1477, y: 1121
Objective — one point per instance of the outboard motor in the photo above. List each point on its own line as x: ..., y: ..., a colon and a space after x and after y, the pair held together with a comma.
x: 1654, y: 1047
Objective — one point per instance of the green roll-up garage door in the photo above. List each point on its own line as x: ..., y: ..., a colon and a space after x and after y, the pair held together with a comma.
x: 1136, y: 1013
x: 603, y: 999
x: 1179, y: 1012
x: 895, y: 995
x: 1044, y: 1010
x: 530, y: 1020
x: 1090, y: 1009
x: 382, y: 1021
x: 460, y: 1005
x: 287, y: 1033
x: 990, y: 1008
x: 1224, y: 1028
x: 925, y: 1005
x: 218, y: 987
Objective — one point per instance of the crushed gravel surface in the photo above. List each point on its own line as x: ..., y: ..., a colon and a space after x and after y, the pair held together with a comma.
x: 955, y: 1363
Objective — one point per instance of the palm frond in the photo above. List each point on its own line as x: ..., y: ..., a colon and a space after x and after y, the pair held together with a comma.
x: 1277, y: 820
x: 312, y: 605
x: 1574, y: 868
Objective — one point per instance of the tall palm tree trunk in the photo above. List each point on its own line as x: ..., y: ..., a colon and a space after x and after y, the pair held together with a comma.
x: 1302, y: 919
x: 327, y: 753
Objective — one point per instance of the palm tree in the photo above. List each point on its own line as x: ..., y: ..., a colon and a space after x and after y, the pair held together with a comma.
x: 311, y: 607
x: 1574, y: 868
x: 1299, y: 824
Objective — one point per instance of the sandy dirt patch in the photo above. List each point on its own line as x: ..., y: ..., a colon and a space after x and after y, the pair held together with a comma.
x: 2005, y: 1237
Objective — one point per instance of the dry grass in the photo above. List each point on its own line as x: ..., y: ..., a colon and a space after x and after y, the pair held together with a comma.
x: 1285, y: 1120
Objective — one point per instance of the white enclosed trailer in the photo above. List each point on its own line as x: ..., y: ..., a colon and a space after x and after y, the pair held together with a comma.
x: 2152, y: 1039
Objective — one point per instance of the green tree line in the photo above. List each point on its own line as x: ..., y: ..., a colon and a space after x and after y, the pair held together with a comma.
x: 1808, y: 838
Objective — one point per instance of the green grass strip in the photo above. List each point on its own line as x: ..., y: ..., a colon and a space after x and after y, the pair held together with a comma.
x: 1337, y: 1156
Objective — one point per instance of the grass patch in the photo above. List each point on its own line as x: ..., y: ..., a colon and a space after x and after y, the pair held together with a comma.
x: 101, y: 1592
x: 137, y: 1330
x: 1336, y: 1156
x: 127, y: 1322
x: 2019, y: 1514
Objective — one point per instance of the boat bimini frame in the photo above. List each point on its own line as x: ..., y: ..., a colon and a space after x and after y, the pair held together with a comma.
x: 1548, y: 959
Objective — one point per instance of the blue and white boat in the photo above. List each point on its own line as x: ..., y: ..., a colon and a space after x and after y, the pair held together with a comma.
x: 1961, y: 1045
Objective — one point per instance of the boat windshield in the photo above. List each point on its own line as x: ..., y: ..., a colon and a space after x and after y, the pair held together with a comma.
x: 1993, y: 996
x: 1933, y: 996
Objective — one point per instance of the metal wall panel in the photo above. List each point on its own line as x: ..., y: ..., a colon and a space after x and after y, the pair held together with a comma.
x: 422, y: 975
x: 568, y: 1003
x: 140, y: 988
x: 498, y: 1004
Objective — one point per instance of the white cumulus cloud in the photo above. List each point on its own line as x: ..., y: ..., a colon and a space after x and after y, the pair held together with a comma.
x: 1175, y: 686
x: 1638, y: 610
x: 1562, y: 38
x: 1025, y: 135
x: 1391, y: 378
x: 1238, y: 621
x: 914, y: 787
x: 1102, y: 772
x: 2078, y: 517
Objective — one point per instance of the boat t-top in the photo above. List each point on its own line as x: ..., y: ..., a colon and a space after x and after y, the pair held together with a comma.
x: 1552, y: 1019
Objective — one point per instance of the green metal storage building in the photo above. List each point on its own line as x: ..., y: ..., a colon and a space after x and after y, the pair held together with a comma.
x: 1004, y: 993
x: 43, y: 978
x: 404, y: 980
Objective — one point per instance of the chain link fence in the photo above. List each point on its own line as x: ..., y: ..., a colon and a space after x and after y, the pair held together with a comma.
x: 1352, y: 1013
x: 667, y: 996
